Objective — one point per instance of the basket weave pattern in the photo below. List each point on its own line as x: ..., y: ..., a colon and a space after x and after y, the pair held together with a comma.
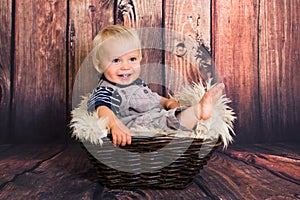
x: 187, y: 156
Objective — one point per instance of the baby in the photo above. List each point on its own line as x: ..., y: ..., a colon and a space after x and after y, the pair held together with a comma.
x: 123, y: 98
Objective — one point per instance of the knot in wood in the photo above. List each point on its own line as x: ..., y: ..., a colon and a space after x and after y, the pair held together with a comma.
x: 180, y: 49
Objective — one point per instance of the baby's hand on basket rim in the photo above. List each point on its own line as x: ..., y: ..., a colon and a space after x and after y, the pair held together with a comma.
x: 120, y: 134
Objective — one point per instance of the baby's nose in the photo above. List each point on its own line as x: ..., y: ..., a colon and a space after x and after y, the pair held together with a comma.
x: 125, y: 66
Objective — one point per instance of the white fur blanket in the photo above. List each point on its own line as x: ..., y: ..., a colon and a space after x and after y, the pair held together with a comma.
x: 88, y: 127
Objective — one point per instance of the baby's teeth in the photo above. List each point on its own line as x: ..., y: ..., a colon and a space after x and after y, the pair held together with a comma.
x: 125, y: 75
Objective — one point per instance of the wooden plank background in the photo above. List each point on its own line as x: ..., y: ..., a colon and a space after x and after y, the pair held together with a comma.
x: 5, y: 67
x: 235, y: 40
x: 82, y: 24
x: 39, y: 85
x: 256, y: 53
x: 147, y: 14
x: 185, y: 17
x: 279, y: 69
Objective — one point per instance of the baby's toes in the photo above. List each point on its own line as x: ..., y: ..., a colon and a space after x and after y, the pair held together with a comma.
x: 216, y: 91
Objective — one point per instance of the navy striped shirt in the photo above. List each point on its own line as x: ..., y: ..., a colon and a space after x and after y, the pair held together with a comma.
x: 106, y: 96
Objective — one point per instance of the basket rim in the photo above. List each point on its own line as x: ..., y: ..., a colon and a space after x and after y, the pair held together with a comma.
x: 167, y: 137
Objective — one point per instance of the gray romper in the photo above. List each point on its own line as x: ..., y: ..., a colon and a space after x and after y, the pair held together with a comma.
x: 140, y: 106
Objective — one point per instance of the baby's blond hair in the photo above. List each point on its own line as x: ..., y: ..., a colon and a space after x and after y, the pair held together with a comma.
x: 117, y: 33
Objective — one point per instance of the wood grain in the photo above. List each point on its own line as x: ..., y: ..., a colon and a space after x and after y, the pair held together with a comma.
x: 286, y: 167
x: 245, y: 181
x: 235, y: 53
x: 23, y: 158
x: 188, y: 20
x: 191, y: 192
x: 60, y: 176
x: 87, y: 18
x: 279, y: 69
x: 5, y: 67
x: 146, y: 18
x: 39, y: 96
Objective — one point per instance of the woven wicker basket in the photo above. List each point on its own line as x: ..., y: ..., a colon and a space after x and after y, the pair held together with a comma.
x: 150, y: 162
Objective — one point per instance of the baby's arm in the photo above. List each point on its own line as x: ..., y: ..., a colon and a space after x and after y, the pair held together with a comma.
x: 120, y: 133
x: 169, y: 103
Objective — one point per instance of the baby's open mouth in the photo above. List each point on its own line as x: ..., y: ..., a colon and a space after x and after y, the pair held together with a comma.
x: 124, y: 76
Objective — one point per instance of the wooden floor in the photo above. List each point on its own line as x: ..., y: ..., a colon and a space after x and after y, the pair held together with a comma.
x: 63, y: 172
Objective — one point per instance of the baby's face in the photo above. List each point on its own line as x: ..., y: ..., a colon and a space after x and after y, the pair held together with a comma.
x: 123, y: 69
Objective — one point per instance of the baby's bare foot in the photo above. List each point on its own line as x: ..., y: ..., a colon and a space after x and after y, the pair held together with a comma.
x: 216, y: 91
x: 206, y: 104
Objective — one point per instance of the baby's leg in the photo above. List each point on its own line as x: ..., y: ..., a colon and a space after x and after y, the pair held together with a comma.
x: 202, y: 110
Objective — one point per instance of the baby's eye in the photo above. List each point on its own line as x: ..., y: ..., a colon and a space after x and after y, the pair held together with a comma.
x: 116, y: 60
x: 133, y: 59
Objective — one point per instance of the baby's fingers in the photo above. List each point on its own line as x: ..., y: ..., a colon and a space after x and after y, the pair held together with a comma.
x: 128, y: 138
x: 123, y: 142
x: 121, y: 139
x: 117, y: 139
x: 121, y: 136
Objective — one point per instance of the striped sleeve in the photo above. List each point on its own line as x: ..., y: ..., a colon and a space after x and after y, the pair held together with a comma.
x: 104, y: 96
